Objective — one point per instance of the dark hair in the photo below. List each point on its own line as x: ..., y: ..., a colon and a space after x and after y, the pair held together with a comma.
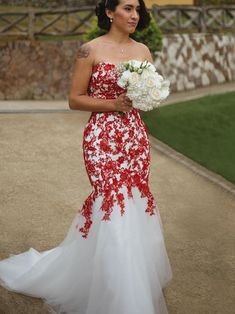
x: 104, y: 22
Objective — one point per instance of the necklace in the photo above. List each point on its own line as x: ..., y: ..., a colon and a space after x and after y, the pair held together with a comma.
x: 121, y: 49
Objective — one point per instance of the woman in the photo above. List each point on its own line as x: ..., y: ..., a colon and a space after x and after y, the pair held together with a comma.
x: 113, y: 259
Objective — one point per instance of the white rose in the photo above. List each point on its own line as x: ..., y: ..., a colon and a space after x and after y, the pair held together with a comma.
x: 150, y: 81
x: 158, y: 82
x: 160, y: 78
x: 148, y: 99
x: 126, y: 74
x: 165, y: 92
x: 151, y: 67
x: 136, y: 63
x: 166, y: 83
x: 156, y: 104
x: 123, y: 79
x: 134, y: 78
x: 121, y: 82
x: 155, y: 93
x: 133, y: 95
x: 145, y: 74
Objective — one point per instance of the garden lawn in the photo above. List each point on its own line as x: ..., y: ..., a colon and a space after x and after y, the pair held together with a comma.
x: 202, y: 129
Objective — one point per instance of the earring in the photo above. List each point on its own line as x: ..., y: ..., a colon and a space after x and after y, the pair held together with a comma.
x: 111, y: 19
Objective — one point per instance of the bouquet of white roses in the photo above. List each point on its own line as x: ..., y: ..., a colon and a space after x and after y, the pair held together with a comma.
x: 145, y: 87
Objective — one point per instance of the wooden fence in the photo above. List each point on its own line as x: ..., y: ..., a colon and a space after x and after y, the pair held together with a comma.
x: 195, y: 18
x: 34, y: 23
x: 65, y: 22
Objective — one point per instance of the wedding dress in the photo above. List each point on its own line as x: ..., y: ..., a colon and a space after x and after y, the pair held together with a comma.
x: 113, y: 259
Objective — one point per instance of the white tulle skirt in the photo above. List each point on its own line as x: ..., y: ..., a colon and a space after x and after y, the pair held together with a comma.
x: 120, y: 268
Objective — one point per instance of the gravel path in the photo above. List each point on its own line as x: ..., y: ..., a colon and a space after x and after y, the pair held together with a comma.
x: 43, y: 183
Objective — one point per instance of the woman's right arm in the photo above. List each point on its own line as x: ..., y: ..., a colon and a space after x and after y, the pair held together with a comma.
x: 78, y: 97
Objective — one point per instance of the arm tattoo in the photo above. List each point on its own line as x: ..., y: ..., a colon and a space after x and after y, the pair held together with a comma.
x: 83, y: 51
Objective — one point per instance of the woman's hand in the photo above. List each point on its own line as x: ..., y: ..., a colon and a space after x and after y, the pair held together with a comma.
x: 123, y: 103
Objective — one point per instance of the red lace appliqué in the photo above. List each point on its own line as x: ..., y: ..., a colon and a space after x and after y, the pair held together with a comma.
x: 116, y: 151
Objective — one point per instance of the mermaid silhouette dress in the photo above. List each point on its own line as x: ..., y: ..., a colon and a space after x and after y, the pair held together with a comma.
x: 113, y: 259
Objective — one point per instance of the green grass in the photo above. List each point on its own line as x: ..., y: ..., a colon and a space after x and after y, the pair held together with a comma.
x: 201, y: 129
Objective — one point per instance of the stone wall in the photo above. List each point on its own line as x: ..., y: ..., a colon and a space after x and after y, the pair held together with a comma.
x: 195, y: 60
x: 42, y: 70
x: 36, y: 70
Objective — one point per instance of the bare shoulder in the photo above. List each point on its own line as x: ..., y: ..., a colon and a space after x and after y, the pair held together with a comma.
x: 87, y: 51
x: 84, y: 50
x: 146, y: 53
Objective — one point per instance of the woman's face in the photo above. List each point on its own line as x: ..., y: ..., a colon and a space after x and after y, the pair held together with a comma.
x: 126, y: 15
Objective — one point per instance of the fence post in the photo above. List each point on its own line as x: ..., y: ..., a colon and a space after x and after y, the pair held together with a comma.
x: 202, y: 19
x: 31, y: 24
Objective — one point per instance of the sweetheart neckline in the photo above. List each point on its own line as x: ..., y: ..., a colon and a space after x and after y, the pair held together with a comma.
x: 106, y: 62
x: 115, y: 64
